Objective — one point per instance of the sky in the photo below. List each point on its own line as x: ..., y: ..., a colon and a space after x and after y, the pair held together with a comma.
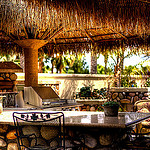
x: 134, y: 60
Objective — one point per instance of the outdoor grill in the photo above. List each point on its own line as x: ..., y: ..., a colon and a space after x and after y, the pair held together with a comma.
x: 41, y: 96
x: 46, y: 97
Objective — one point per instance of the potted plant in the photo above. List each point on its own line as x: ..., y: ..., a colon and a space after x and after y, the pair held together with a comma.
x: 111, y: 108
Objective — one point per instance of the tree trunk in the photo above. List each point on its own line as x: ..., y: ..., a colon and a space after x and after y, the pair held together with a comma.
x: 106, y: 60
x: 22, y: 61
x: 122, y: 61
x: 117, y: 73
x: 41, y: 64
x: 52, y: 68
x: 93, y: 60
x: 52, y: 62
x: 121, y: 65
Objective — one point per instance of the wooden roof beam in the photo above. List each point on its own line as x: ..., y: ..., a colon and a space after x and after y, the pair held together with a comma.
x: 96, y: 28
x: 144, y: 1
x: 54, y: 39
x: 11, y: 37
x: 118, y: 33
x: 99, y: 41
x: 55, y: 34
x: 85, y: 37
x: 88, y: 35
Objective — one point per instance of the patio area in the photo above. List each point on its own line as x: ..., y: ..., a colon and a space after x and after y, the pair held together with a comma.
x: 35, y: 28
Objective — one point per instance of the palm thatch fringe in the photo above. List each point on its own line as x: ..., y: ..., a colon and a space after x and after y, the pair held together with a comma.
x: 121, y: 15
x: 73, y: 24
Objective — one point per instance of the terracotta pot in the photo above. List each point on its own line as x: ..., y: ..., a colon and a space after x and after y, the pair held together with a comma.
x: 111, y: 111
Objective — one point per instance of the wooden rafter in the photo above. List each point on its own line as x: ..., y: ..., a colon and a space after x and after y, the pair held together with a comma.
x: 82, y: 27
x: 88, y: 35
x: 54, y: 39
x: 11, y: 37
x: 46, y: 37
x: 95, y: 31
x: 64, y: 37
x: 44, y: 34
x: 144, y: 1
x: 99, y: 41
x: 56, y: 33
x: 88, y: 29
x: 118, y: 33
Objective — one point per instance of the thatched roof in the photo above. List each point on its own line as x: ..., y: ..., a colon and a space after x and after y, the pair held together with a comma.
x: 76, y: 24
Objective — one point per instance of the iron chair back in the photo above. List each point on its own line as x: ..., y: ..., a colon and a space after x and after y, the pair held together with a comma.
x: 55, y: 119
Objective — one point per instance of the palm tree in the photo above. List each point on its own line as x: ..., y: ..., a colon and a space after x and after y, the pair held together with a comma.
x: 79, y: 65
x: 22, y: 61
x: 58, y: 63
x: 93, y: 59
x: 118, y: 59
x: 106, y: 61
x: 41, y: 64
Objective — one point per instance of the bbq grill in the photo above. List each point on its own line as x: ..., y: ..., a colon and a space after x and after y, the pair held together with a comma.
x: 46, y: 97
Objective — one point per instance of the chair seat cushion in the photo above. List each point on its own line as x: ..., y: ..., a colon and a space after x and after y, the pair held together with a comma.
x: 143, y: 105
x: 143, y: 110
x: 146, y: 123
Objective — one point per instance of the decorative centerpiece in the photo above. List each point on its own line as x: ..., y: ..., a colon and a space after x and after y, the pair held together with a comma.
x: 111, y: 108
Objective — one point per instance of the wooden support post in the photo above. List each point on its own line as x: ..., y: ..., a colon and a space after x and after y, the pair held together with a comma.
x: 31, y: 67
x: 31, y: 47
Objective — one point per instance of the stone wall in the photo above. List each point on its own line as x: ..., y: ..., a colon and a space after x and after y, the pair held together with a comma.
x: 125, y: 96
x: 44, y: 134
x: 128, y: 96
x: 88, y: 138
x: 7, y: 138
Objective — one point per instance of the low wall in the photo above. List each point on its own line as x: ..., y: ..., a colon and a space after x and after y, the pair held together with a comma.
x: 94, y: 138
x: 125, y: 96
x: 128, y: 96
x: 91, y: 129
x: 67, y: 84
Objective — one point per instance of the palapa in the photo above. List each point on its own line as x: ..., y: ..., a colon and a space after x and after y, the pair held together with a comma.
x: 76, y: 24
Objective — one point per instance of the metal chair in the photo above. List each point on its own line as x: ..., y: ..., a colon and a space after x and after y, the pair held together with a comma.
x: 139, y: 137
x: 41, y: 120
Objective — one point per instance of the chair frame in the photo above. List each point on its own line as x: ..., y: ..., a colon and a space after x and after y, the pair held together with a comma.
x: 38, y: 118
x: 139, y: 101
